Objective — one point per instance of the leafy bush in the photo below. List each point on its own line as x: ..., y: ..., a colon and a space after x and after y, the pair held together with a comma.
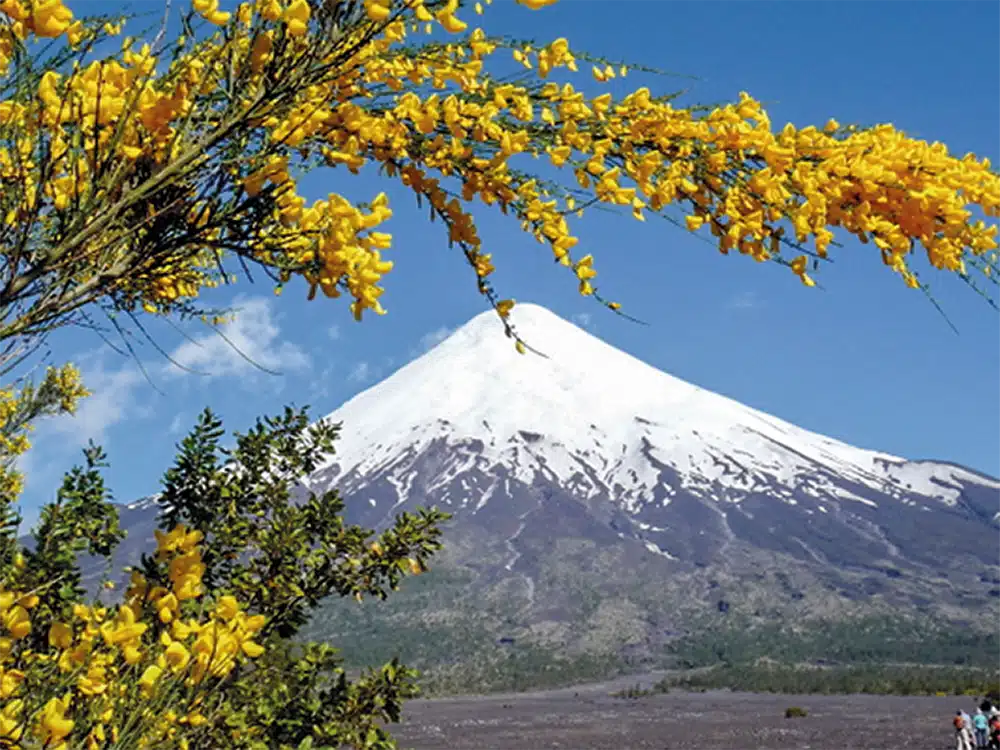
x: 200, y: 652
x: 632, y: 692
x: 795, y: 712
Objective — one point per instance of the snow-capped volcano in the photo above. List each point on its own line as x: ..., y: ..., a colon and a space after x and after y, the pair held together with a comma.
x: 604, y: 509
x: 591, y: 417
x: 602, y: 506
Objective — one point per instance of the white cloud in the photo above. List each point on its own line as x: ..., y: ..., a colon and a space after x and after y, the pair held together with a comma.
x: 121, y: 391
x: 361, y: 372
x: 111, y: 401
x: 745, y: 301
x: 115, y: 381
x: 430, y: 340
x: 333, y: 332
x: 584, y: 320
x: 250, y: 342
x: 368, y: 372
x: 178, y: 424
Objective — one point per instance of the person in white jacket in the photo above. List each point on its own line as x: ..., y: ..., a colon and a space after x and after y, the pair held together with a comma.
x: 963, y: 734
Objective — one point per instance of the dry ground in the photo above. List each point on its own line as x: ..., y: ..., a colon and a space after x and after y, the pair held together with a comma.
x: 587, y: 718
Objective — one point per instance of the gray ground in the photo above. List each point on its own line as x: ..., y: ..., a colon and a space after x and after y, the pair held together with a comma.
x: 587, y: 718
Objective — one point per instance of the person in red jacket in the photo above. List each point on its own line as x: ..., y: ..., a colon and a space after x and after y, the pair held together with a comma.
x: 995, y: 732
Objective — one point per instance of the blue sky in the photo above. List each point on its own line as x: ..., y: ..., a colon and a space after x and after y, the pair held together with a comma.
x: 864, y: 359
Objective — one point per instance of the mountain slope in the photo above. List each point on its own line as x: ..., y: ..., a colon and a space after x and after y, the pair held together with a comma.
x: 608, y: 514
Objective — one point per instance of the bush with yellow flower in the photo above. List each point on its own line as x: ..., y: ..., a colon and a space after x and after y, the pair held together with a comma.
x: 200, y: 650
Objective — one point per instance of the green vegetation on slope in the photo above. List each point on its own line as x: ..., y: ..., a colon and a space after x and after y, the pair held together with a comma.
x: 467, y: 637
x: 872, y: 679
x: 863, y: 640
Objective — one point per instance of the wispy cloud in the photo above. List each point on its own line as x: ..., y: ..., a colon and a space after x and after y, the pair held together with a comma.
x: 178, y: 424
x: 121, y: 391
x: 360, y: 373
x: 584, y: 320
x: 333, y: 332
x: 252, y: 341
x: 430, y: 340
x: 111, y: 401
x: 745, y: 301
x: 115, y: 381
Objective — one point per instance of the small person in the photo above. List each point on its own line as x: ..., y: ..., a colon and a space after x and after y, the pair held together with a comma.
x: 967, y: 735
x: 960, y: 731
x: 980, y: 726
x: 995, y: 732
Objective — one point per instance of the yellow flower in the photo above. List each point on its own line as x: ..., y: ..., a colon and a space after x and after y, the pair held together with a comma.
x: 584, y: 268
x: 60, y: 635
x: 270, y: 10
x: 124, y: 628
x: 176, y: 656
x: 15, y: 9
x: 251, y: 649
x: 260, y: 53
x: 50, y: 18
x: 799, y: 269
x: 10, y: 719
x: 253, y: 623
x: 379, y: 10
x: 17, y: 622
x: 148, y: 680
x: 10, y: 681
x: 504, y: 307
x: 185, y: 573
x: 296, y: 17
x: 451, y: 23
x: 227, y: 607
x: 181, y: 630
x: 536, y: 4
x: 694, y: 222
x: 178, y: 539
x: 53, y: 725
x: 209, y: 10
x: 94, y: 681
x: 166, y: 604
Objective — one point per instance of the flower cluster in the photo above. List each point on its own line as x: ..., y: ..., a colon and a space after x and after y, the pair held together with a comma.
x: 142, y: 669
x: 58, y: 392
x: 153, y: 175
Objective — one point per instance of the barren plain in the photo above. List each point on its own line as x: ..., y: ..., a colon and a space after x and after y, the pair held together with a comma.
x: 590, y: 718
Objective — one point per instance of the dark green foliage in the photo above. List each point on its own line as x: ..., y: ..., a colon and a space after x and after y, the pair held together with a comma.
x: 877, y: 655
x: 283, y: 557
x: 873, y: 679
x: 82, y: 520
x: 853, y: 641
x: 795, y: 712
x: 633, y: 692
x: 302, y: 692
